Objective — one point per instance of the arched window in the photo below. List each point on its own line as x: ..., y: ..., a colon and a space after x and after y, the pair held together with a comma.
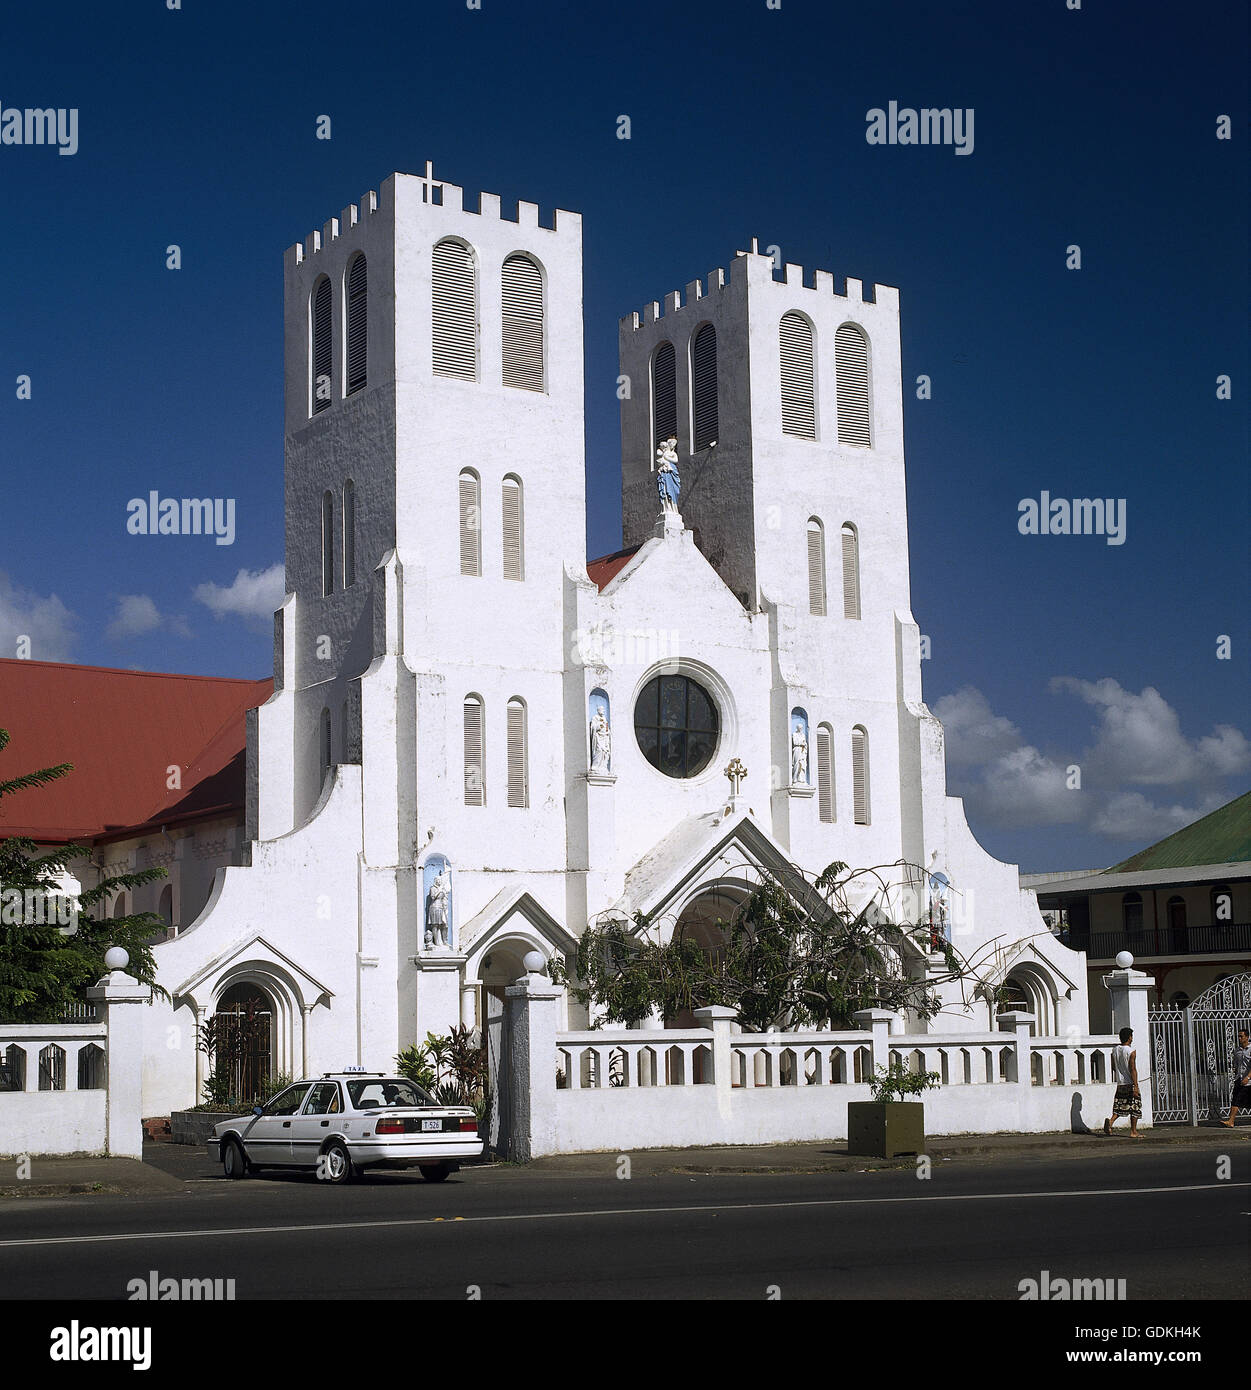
x: 1222, y: 904
x: 166, y: 908
x: 52, y: 1068
x: 327, y: 544
x: 851, y: 571
x: 664, y: 394
x: 1131, y: 912
x: 514, y: 536
x: 1175, y: 913
x: 522, y: 289
x: 860, y: 774
x: 470, y: 522
x: 357, y: 325
x: 825, y: 772
x: 851, y: 365
x: 518, y: 755
x: 324, y: 743
x: 349, y: 534
x: 799, y: 409
x: 704, y: 387
x: 454, y: 311
x: 320, y: 349
x: 121, y: 907
x: 475, y: 767
x: 816, y: 567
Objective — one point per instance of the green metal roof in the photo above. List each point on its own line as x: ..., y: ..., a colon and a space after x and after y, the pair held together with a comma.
x: 1222, y: 837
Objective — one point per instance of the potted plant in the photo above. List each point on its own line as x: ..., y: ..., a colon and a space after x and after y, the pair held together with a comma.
x: 888, y: 1125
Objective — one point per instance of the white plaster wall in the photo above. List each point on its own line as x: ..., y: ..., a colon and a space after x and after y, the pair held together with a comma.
x: 52, y: 1122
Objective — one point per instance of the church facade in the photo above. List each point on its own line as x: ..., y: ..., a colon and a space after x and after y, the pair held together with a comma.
x: 478, y: 742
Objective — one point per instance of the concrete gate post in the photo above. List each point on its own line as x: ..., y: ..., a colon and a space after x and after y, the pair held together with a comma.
x: 1128, y: 991
x: 531, y: 1006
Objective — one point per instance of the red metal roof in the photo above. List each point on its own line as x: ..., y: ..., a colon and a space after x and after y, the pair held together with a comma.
x: 607, y: 567
x: 122, y: 730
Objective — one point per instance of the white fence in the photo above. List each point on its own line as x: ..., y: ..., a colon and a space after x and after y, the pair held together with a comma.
x: 74, y: 1088
x: 629, y: 1089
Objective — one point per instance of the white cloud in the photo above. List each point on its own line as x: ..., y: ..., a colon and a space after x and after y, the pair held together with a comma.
x: 254, y: 594
x: 44, y: 620
x: 1136, y: 740
x: 137, y: 615
x: 1139, y: 739
x: 974, y: 733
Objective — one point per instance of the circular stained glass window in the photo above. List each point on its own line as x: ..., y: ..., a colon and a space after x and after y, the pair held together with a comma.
x: 675, y: 722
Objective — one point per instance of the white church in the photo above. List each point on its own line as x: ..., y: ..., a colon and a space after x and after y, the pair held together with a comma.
x: 479, y: 742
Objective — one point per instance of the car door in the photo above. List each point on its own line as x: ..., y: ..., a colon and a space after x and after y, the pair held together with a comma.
x: 268, y: 1138
x: 321, y: 1112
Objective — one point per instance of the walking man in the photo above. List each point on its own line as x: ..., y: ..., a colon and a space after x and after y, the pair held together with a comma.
x: 1242, y: 1078
x: 1128, y: 1099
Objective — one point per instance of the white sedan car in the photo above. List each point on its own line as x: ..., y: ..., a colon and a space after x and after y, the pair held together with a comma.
x: 343, y: 1122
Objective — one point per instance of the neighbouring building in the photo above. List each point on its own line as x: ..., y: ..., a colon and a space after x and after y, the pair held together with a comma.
x: 1181, y: 907
x: 477, y: 741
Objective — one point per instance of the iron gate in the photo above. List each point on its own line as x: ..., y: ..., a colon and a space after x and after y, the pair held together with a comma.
x: 1192, y: 1053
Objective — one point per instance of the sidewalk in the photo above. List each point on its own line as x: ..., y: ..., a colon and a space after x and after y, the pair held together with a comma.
x: 168, y: 1168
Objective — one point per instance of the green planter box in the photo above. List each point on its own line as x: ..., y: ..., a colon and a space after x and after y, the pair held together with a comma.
x: 884, y: 1128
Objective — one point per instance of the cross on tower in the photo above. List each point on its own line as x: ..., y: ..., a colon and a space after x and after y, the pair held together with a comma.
x: 735, y: 772
x: 429, y: 183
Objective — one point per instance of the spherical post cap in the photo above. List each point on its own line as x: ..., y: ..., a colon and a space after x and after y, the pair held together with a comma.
x: 117, y: 958
x: 535, y: 962
x: 1124, y: 959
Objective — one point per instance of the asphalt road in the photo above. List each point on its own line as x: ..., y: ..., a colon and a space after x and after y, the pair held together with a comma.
x: 1166, y: 1223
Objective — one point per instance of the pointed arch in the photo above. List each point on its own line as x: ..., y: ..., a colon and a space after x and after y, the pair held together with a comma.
x: 796, y: 355
x: 816, y: 567
x: 320, y: 346
x: 454, y: 310
x: 704, y: 423
x: 851, y: 366
x: 521, y: 283
x: 356, y: 324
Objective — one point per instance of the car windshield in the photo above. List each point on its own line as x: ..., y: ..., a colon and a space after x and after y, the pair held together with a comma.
x: 367, y: 1095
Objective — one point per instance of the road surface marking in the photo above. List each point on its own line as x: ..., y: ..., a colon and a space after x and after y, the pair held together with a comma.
x: 613, y: 1211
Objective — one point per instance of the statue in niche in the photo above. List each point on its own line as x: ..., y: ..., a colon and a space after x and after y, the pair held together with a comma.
x: 601, y: 742
x: 799, y: 755
x: 668, y: 479
x: 437, y: 903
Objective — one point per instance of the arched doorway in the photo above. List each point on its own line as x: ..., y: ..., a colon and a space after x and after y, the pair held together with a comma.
x: 243, y: 1025
x: 705, y: 920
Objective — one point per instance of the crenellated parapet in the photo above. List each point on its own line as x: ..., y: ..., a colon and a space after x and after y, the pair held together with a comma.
x: 758, y: 270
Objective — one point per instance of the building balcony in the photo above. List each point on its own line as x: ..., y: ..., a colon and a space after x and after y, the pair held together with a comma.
x: 1217, y: 939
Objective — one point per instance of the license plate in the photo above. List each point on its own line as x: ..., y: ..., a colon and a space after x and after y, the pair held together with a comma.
x: 431, y: 1124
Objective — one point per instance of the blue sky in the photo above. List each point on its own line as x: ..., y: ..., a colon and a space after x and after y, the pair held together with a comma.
x: 1094, y: 127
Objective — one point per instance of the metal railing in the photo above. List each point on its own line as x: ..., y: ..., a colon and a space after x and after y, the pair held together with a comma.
x: 1161, y: 941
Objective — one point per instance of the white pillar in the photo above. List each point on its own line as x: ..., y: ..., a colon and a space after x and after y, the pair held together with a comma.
x: 881, y: 1023
x: 1017, y: 1022
x: 1128, y: 990
x: 118, y: 995
x: 530, y: 1011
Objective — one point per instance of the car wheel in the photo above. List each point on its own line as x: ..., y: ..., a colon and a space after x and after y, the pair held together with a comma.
x: 435, y: 1172
x: 335, y: 1164
x: 234, y: 1161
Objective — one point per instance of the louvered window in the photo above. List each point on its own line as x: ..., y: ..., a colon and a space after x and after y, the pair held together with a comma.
x: 475, y: 769
x: 704, y: 387
x: 665, y: 394
x: 470, y: 524
x: 825, y: 773
x: 851, y: 365
x: 851, y: 572
x: 860, y: 774
x: 514, y: 553
x: 321, y: 346
x: 518, y: 756
x: 327, y: 544
x: 357, y: 325
x: 799, y: 411
x: 816, y: 567
x: 454, y: 312
x: 349, y: 534
x: 325, y: 743
x: 523, y: 324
